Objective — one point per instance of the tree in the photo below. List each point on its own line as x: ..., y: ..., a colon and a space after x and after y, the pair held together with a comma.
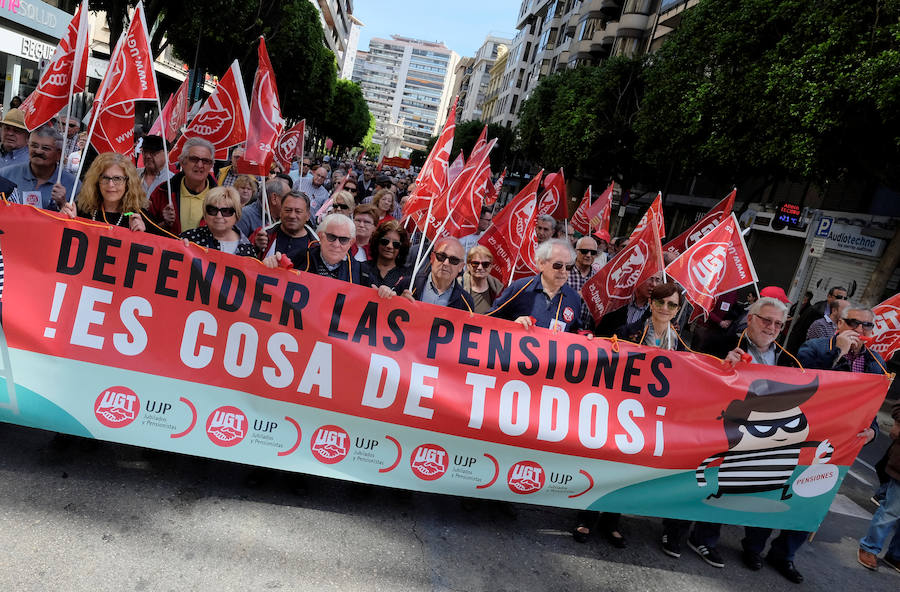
x: 347, y: 119
x: 784, y: 89
x: 373, y: 150
x: 583, y: 120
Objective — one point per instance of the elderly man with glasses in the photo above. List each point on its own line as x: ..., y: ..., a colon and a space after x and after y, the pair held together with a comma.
x: 183, y: 208
x: 545, y: 300
x: 330, y: 256
x: 436, y: 284
x: 35, y: 179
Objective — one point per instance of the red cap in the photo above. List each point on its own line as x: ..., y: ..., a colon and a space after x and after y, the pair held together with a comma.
x: 602, y: 235
x: 774, y: 292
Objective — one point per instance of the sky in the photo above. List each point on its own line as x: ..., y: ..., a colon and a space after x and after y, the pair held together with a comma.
x: 461, y: 24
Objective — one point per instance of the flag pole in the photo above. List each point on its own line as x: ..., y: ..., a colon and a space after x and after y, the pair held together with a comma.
x: 422, y: 242
x: 79, y: 42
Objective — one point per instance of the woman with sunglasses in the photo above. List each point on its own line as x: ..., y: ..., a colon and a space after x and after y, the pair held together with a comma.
x: 111, y: 193
x: 342, y: 203
x: 478, y: 281
x: 390, y: 243
x: 221, y: 211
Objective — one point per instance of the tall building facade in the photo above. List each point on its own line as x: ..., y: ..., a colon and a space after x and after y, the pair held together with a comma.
x: 496, y: 76
x: 557, y: 34
x: 337, y: 23
x: 408, y: 82
x: 472, y: 98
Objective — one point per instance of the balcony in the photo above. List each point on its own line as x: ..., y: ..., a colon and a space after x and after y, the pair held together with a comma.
x: 636, y: 21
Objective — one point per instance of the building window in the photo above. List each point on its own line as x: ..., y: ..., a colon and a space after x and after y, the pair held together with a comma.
x: 587, y: 27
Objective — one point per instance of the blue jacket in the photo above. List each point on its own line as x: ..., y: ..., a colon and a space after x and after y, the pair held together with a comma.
x: 526, y: 298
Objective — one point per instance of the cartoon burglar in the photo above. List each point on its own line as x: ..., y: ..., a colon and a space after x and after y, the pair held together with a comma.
x: 766, y: 433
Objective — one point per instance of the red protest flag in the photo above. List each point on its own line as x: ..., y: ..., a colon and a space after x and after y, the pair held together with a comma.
x: 290, y: 144
x: 612, y: 287
x: 456, y: 211
x: 887, y: 327
x: 591, y: 217
x: 432, y: 179
x: 717, y: 263
x: 553, y: 200
x: 702, y: 226
x: 174, y: 114
x: 493, y: 190
x: 457, y: 167
x: 65, y: 75
x: 223, y: 118
x: 654, y: 213
x: 511, y: 228
x: 266, y: 123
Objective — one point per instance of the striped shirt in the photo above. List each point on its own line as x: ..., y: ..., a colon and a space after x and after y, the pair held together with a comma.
x: 755, y: 470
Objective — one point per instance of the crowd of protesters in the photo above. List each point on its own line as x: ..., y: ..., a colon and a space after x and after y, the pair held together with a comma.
x: 343, y: 220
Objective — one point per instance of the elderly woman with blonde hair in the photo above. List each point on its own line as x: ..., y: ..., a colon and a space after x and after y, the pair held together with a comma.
x: 478, y: 281
x: 111, y: 193
x: 221, y: 211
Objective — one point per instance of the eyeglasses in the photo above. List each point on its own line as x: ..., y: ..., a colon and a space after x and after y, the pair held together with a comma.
x: 557, y: 265
x: 762, y: 429
x: 75, y: 125
x: 114, y: 180
x: 770, y: 322
x: 441, y: 257
x: 351, y: 188
x: 385, y: 242
x: 333, y: 237
x: 341, y: 206
x: 839, y: 296
x: 213, y: 211
x: 666, y: 304
x: 591, y: 252
x: 854, y: 323
x: 481, y: 264
x: 198, y: 160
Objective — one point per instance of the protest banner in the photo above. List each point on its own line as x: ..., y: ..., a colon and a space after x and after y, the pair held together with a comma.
x: 139, y: 339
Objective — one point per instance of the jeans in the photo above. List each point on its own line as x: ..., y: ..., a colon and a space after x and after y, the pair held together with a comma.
x: 885, y: 521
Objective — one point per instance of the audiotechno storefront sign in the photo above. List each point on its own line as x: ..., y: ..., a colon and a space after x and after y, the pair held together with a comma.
x: 138, y: 339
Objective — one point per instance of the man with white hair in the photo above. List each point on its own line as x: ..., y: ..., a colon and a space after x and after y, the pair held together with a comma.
x: 544, y: 228
x: 35, y: 179
x: 545, y: 300
x: 183, y: 208
x: 436, y: 284
x: 330, y: 257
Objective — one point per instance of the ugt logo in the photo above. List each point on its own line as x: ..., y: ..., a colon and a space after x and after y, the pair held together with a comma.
x: 429, y: 462
x: 526, y: 476
x: 330, y: 444
x: 707, y: 267
x: 117, y: 406
x: 226, y: 426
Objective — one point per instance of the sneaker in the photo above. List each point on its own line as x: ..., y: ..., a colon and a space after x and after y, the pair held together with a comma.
x: 786, y: 568
x: 707, y: 554
x: 867, y: 560
x: 671, y: 547
x: 892, y: 561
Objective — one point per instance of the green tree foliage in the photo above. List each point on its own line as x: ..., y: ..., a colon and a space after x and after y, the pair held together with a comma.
x: 788, y: 89
x: 583, y: 119
x: 347, y: 119
x: 373, y: 150
x: 304, y: 67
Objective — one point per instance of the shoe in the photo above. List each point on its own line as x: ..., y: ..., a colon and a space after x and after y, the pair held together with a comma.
x: 892, y: 561
x: 581, y: 534
x: 615, y: 538
x: 875, y: 501
x: 867, y: 560
x: 752, y: 560
x: 785, y: 568
x: 707, y: 554
x: 672, y: 547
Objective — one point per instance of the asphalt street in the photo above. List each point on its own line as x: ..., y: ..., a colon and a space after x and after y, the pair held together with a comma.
x: 81, y: 515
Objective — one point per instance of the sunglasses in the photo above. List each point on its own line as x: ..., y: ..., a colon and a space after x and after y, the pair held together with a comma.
x: 341, y: 206
x: 333, y: 237
x: 441, y: 257
x: 770, y: 322
x: 590, y: 252
x: 838, y: 297
x: 557, y: 265
x: 854, y: 323
x: 198, y: 160
x: 226, y: 212
x: 385, y: 242
x: 351, y: 188
x: 481, y: 264
x: 666, y: 304
x: 763, y: 429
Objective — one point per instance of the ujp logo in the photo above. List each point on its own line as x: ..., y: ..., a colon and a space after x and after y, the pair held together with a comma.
x: 525, y: 477
x: 707, y: 267
x: 226, y: 426
x: 117, y: 406
x: 429, y: 462
x: 330, y: 444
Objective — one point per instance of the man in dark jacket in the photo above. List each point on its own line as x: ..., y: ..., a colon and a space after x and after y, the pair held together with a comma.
x: 437, y: 284
x: 330, y: 258
x: 820, y: 309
